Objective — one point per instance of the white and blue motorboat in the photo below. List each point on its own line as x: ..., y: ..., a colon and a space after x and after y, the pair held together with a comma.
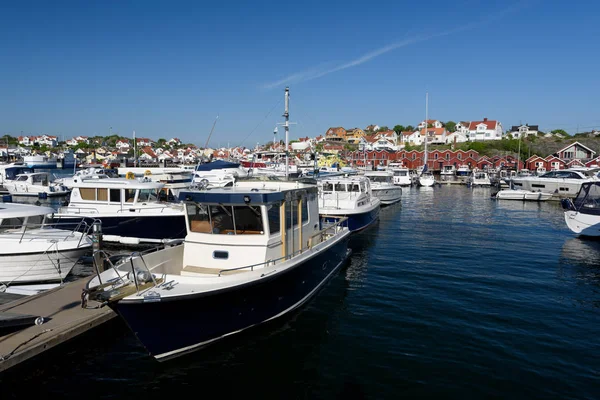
x: 253, y: 252
x: 382, y: 187
x: 131, y: 210
x: 351, y: 197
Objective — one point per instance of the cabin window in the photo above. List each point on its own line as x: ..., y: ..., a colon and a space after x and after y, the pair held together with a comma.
x: 198, y: 218
x: 225, y: 220
x: 115, y: 195
x: 11, y: 223
x: 340, y: 187
x: 35, y: 220
x: 327, y: 187
x: 146, y: 195
x: 273, y: 215
x: 88, y: 194
x: 129, y: 195
x: 248, y: 220
x: 102, y: 194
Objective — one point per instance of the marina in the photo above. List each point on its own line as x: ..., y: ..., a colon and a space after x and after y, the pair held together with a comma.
x: 406, y: 296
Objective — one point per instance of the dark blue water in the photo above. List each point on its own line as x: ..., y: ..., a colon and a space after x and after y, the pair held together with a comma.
x: 451, y: 295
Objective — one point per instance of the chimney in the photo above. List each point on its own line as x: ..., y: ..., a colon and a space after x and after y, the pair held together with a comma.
x: 485, y: 120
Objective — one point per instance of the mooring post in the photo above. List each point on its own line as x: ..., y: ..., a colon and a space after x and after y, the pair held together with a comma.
x: 97, y: 245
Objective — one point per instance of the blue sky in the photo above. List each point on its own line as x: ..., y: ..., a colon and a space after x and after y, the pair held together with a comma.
x: 167, y: 69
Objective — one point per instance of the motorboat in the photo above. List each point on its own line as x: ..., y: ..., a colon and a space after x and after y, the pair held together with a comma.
x: 564, y: 183
x: 214, y: 178
x: 38, y: 184
x: 132, y: 211
x: 582, y: 214
x: 40, y: 161
x: 253, y: 252
x: 34, y: 249
x: 8, y: 172
x: 520, y: 194
x: 86, y: 173
x: 401, y: 175
x: 348, y: 196
x: 174, y: 179
x: 480, y: 179
x: 463, y: 170
x: 448, y: 172
x: 236, y: 169
x: 382, y: 187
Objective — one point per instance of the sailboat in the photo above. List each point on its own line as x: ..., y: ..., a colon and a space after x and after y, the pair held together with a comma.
x: 426, y: 178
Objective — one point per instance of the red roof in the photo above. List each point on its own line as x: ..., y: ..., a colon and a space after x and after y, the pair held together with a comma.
x: 490, y: 124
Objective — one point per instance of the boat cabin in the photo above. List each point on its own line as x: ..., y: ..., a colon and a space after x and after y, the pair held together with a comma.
x: 19, y: 217
x: 344, y: 192
x: 10, y: 172
x: 251, y: 222
x: 120, y: 192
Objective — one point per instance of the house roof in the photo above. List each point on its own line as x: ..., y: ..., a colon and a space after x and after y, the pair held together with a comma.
x: 488, y: 123
x: 576, y: 143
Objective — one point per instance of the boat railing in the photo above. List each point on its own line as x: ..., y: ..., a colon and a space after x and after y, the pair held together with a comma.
x: 60, y: 231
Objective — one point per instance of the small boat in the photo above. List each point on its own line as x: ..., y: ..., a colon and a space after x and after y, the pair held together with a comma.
x: 565, y: 182
x: 520, y: 194
x: 351, y: 197
x: 131, y: 210
x: 33, y: 249
x: 463, y: 170
x: 38, y: 184
x: 236, y: 169
x: 383, y: 187
x: 214, y: 178
x: 448, y: 171
x: 253, y: 252
x: 426, y: 179
x: 480, y: 179
x: 401, y: 175
x: 86, y: 173
x: 582, y: 214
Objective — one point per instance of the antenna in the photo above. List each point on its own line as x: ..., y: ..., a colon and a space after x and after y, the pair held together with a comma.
x: 211, y: 131
x: 287, y: 123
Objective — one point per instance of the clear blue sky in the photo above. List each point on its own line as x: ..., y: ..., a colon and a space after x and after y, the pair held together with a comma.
x: 167, y: 69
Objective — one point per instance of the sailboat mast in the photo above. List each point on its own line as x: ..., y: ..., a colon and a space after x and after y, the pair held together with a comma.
x: 286, y: 114
x: 426, y: 117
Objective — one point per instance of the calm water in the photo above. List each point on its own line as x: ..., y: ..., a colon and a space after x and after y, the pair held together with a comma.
x: 450, y: 295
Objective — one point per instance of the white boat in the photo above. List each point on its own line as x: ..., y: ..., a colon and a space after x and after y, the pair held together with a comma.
x: 174, y: 179
x: 448, y: 171
x: 348, y: 196
x: 236, y: 169
x: 463, y: 170
x: 426, y: 179
x: 582, y: 214
x: 39, y: 161
x: 480, y: 179
x: 8, y: 172
x: 130, y: 210
x: 214, y: 178
x: 401, y: 175
x: 253, y: 252
x: 566, y: 182
x: 86, y: 173
x: 35, y: 250
x: 38, y: 184
x: 382, y: 187
x: 520, y: 194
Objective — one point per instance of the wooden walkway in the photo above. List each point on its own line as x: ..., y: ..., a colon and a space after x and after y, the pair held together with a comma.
x: 63, y: 316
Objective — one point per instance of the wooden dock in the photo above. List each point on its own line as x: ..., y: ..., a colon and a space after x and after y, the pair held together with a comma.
x: 63, y: 319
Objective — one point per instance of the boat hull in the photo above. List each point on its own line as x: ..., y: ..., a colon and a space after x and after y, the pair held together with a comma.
x: 388, y: 196
x: 583, y: 224
x: 509, y: 194
x: 357, y: 221
x: 50, y: 266
x: 146, y: 228
x: 174, y: 326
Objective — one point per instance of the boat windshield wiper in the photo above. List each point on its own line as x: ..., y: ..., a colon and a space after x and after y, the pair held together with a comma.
x: 226, y: 211
x: 257, y: 213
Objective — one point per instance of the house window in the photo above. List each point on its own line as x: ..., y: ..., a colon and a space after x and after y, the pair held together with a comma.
x: 414, y: 157
x: 447, y: 156
x: 435, y: 156
x: 459, y: 156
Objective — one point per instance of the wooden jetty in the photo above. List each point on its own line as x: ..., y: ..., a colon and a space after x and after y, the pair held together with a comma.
x: 62, y: 319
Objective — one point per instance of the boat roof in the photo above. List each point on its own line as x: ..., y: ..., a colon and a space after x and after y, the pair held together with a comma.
x: 247, y: 191
x: 15, y: 210
x: 346, y: 178
x: 33, y: 173
x: 142, y: 183
x: 379, y: 173
x: 218, y: 164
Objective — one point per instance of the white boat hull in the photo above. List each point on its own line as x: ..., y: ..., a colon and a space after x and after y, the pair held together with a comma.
x: 426, y: 181
x: 517, y: 194
x: 50, y: 266
x: 388, y: 195
x: 585, y: 224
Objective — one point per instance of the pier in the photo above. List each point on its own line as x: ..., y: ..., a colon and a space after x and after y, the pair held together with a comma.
x: 52, y: 317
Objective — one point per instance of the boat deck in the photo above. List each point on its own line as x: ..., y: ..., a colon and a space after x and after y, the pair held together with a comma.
x: 63, y: 318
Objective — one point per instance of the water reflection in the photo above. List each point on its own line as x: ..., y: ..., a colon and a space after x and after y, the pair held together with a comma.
x: 580, y: 260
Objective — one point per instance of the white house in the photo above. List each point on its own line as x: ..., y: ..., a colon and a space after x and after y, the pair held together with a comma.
x: 485, y: 130
x: 434, y: 123
x: 463, y: 128
x: 47, y: 140
x: 456, y: 137
x: 123, y: 145
x: 174, y: 142
x: 27, y: 140
x: 519, y: 132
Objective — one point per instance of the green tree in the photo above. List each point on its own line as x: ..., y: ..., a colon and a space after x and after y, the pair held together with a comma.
x: 399, y: 128
x: 451, y: 126
x: 383, y: 128
x: 410, y: 128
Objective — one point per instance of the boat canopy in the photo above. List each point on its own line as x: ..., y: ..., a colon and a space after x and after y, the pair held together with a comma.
x: 588, y: 198
x: 218, y: 164
x: 17, y: 210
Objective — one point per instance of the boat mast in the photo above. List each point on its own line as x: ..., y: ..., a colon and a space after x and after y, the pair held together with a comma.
x: 286, y: 114
x: 426, y: 116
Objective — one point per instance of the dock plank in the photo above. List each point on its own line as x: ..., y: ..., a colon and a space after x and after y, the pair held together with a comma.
x: 64, y: 319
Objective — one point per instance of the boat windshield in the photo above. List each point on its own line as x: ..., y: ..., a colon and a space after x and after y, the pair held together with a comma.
x: 17, y: 223
x: 225, y: 219
x: 588, y: 199
x: 384, y: 179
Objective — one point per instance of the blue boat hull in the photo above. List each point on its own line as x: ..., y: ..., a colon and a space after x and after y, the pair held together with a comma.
x: 144, y: 227
x: 173, y: 327
x: 358, y: 222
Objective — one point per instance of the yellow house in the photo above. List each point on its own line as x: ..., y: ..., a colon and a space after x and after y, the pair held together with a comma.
x: 353, y: 135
